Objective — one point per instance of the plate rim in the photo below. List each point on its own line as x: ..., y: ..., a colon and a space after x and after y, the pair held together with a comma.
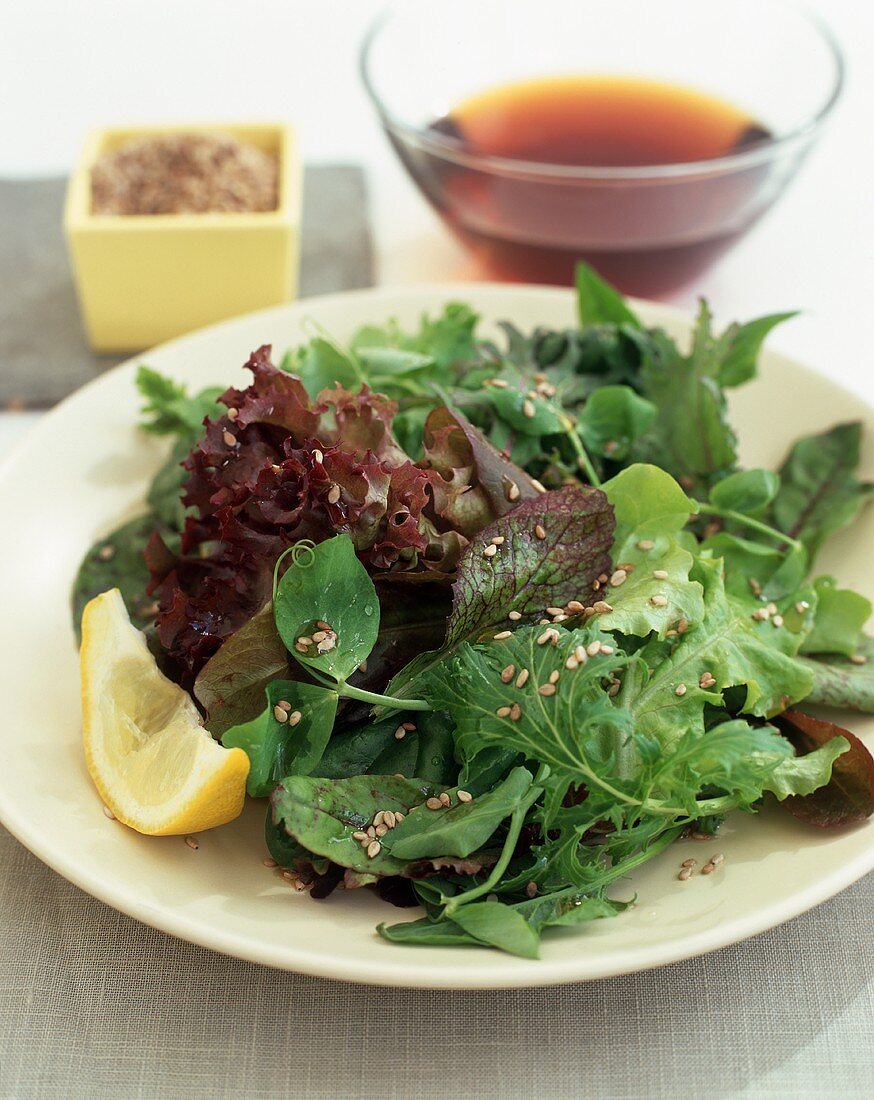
x: 518, y: 973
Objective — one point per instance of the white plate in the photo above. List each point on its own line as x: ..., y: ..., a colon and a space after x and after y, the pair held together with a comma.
x: 85, y: 466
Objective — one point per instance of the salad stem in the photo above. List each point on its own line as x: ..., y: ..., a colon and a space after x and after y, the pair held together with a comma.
x: 749, y: 522
x: 583, y: 460
x: 351, y: 692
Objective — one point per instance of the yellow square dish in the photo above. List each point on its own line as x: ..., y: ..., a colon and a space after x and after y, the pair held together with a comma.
x: 143, y: 279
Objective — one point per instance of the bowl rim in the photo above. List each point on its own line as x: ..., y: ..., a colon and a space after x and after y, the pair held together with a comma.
x: 453, y: 150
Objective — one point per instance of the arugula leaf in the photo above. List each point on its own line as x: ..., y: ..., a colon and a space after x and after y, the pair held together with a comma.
x: 461, y: 828
x: 322, y: 815
x: 426, y: 752
x: 840, y: 616
x: 328, y: 584
x: 843, y: 683
x: 168, y: 408
x: 598, y: 303
x: 747, y: 491
x: 819, y: 491
x: 739, y: 347
x: 279, y: 749
x: 613, y: 419
x: 846, y: 797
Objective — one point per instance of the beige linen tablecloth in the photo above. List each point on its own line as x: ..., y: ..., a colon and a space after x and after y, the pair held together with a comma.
x: 93, y: 1004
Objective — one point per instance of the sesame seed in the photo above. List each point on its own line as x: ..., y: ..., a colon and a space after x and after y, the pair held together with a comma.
x: 717, y: 859
x: 593, y: 649
x: 106, y: 553
x: 682, y: 626
x: 400, y: 733
x: 464, y: 796
x: 772, y: 609
x: 276, y: 469
x: 515, y: 616
x: 572, y: 664
x: 680, y: 690
x: 232, y: 414
x: 108, y: 813
x: 581, y: 654
x: 690, y: 863
x: 613, y: 690
x: 707, y: 869
x: 602, y: 607
x: 371, y: 831
x: 575, y: 606
x: 502, y: 712
x: 528, y: 409
x: 546, y: 636
x: 660, y: 574
x: 490, y: 551
x: 603, y: 578
x: 515, y: 712
x: 777, y: 620
x: 304, y: 639
x: 300, y: 647
x: 409, y: 726
x: 645, y: 544
x: 540, y: 531
x: 755, y: 587
x: 333, y: 494
x: 502, y: 635
x: 326, y: 645
x: 543, y: 622
x: 381, y: 830
x: 618, y: 577
x: 318, y: 456
x: 284, y: 703
x: 319, y: 636
x: 538, y: 485
x: 270, y: 862
x: 628, y: 566
x: 373, y: 849
x: 555, y: 611
x: 659, y: 600
x: 858, y: 659
x: 802, y: 606
x: 498, y: 540
x: 606, y: 649
x: 508, y: 673
x: 291, y: 879
x: 192, y: 843
x: 359, y: 836
x: 378, y: 818
x: 498, y: 383
x: 522, y: 678
x: 433, y: 803
x: 445, y: 800
x: 760, y: 614
x: 553, y: 676
x: 546, y: 689
x: 670, y: 633
x: 229, y: 438
x: 685, y: 874
x: 389, y: 820
x: 531, y: 889
x: 280, y: 715
x: 399, y: 817
x: 512, y: 491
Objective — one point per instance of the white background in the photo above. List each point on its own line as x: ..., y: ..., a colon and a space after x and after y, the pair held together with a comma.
x: 67, y: 66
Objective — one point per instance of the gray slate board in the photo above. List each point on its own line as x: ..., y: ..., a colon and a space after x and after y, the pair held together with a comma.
x: 43, y: 352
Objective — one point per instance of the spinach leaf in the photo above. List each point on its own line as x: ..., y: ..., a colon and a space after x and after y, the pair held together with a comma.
x: 292, y: 744
x: 117, y: 562
x: 739, y: 346
x: 598, y: 303
x: 613, y: 419
x: 328, y: 584
x: 322, y: 815
x: 499, y: 926
x: 322, y: 364
x: 753, y: 566
x: 819, y: 491
x: 747, y: 491
x: 840, y: 616
x: 461, y: 828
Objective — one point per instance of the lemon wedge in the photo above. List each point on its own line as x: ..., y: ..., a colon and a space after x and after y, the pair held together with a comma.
x: 155, y: 766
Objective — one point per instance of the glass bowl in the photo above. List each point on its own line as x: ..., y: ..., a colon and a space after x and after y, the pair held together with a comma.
x: 650, y: 227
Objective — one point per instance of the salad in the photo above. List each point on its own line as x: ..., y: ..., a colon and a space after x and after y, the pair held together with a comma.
x: 496, y: 622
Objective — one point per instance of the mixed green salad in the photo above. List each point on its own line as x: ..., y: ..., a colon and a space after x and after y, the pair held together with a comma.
x: 497, y: 622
